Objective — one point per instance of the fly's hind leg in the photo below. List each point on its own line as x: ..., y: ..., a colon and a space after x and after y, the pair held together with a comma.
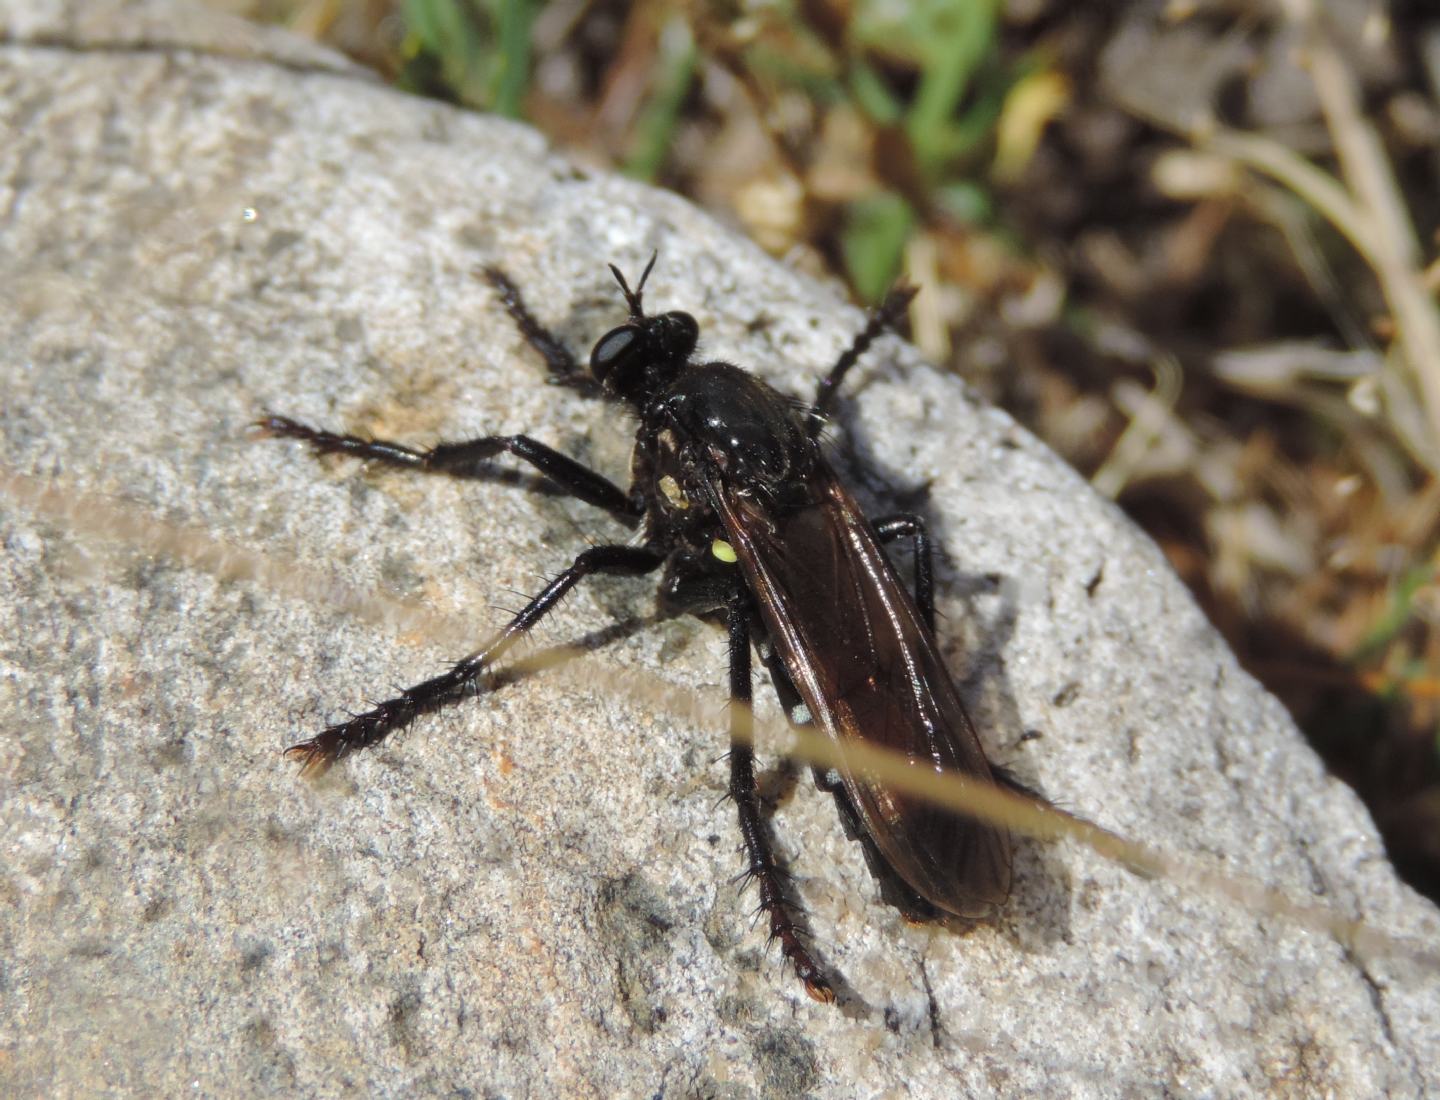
x: 893, y: 889
x: 761, y: 865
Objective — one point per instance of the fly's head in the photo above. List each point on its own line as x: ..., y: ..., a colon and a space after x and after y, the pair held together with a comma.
x: 641, y: 358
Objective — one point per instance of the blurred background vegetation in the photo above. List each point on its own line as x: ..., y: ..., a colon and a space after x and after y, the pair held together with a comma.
x: 1190, y: 243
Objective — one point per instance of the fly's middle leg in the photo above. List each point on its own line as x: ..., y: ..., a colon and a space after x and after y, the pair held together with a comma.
x: 761, y: 865
x: 383, y: 719
x: 908, y: 525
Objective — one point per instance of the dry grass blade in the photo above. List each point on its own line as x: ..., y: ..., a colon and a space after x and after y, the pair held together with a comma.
x: 1146, y: 426
x: 89, y: 514
x: 1393, y: 251
x: 131, y: 525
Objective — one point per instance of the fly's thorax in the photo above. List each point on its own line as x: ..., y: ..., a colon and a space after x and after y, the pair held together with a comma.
x: 717, y: 422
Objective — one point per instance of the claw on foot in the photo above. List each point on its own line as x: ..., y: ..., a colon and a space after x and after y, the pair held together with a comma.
x: 820, y: 989
x: 312, y: 758
x: 276, y: 426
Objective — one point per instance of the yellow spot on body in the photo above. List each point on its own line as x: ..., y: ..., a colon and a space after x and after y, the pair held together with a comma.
x: 724, y: 551
x: 673, y: 493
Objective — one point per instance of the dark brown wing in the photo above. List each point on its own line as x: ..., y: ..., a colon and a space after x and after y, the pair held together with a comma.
x: 852, y: 641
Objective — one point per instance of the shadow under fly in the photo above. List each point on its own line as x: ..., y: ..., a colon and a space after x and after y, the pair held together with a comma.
x: 749, y: 526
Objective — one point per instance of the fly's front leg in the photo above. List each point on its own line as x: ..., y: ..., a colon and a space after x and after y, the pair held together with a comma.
x: 467, y: 459
x: 761, y: 865
x: 385, y: 718
x: 908, y: 525
x: 564, y: 370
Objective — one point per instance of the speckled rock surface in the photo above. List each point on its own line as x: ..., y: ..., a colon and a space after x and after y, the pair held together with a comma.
x: 530, y: 895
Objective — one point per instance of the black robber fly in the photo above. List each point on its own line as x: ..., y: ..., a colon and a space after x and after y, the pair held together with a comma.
x: 740, y: 510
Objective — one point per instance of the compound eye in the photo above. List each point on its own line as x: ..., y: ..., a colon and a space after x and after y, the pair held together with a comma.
x: 613, y: 349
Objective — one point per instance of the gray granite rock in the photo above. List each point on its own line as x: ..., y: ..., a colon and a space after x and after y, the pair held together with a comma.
x: 530, y: 895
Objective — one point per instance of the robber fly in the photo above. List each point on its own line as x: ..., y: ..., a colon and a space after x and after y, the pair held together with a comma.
x: 750, y: 526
